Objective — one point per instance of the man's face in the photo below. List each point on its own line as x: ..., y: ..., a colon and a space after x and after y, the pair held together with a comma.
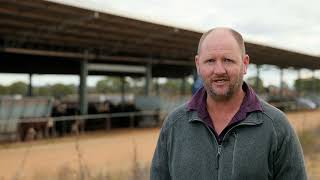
x: 221, y: 65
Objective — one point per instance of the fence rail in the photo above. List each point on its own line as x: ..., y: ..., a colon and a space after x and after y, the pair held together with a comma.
x: 11, y: 129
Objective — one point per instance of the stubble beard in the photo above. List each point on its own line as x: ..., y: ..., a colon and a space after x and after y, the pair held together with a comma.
x: 228, y: 94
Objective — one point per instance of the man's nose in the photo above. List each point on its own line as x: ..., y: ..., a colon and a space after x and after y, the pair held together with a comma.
x: 219, y: 68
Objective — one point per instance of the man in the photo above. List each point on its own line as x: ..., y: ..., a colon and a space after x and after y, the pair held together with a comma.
x: 225, y: 131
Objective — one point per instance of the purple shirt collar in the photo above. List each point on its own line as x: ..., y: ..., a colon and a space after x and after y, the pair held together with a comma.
x: 249, y: 104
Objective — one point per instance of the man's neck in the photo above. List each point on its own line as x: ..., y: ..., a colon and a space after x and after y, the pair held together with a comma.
x: 225, y: 106
x: 221, y: 112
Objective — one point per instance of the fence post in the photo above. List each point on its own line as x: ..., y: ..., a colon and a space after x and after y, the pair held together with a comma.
x: 108, y: 123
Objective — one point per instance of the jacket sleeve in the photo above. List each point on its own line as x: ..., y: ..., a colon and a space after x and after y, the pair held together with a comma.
x: 159, y: 166
x: 289, y: 161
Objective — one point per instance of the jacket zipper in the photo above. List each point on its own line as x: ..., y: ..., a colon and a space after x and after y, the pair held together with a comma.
x: 220, y: 145
x: 218, y: 156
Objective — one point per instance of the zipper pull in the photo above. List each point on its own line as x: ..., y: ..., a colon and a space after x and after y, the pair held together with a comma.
x: 218, y: 156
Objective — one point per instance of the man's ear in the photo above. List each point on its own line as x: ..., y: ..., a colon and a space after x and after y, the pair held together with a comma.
x: 196, y: 60
x: 246, y: 61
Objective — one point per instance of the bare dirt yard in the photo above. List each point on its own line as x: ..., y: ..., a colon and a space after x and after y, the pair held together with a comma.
x: 112, y: 151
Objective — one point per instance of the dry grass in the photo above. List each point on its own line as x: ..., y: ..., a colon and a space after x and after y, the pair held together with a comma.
x: 83, y: 172
x: 20, y: 169
x: 311, y: 147
x: 138, y: 171
x: 120, y: 154
x: 131, y: 149
x: 307, y: 125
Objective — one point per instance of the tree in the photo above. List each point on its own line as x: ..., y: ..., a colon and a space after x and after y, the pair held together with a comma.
x: 173, y: 86
x: 42, y: 91
x: 103, y: 86
x: 308, y: 85
x: 111, y: 85
x: 252, y: 81
x: 59, y: 90
x: 137, y: 85
x: 18, y: 88
x: 3, y: 90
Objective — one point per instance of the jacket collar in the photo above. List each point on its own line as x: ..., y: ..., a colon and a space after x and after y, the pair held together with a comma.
x: 251, y: 103
x: 254, y: 118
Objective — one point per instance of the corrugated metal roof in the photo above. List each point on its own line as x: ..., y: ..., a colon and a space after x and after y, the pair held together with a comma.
x: 33, y: 29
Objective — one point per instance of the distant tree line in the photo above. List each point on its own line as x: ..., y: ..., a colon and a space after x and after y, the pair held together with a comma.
x: 57, y: 90
x: 309, y: 85
x: 304, y: 86
x: 107, y: 85
x: 136, y: 86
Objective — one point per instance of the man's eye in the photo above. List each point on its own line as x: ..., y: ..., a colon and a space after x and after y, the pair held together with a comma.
x: 209, y: 61
x: 227, y: 60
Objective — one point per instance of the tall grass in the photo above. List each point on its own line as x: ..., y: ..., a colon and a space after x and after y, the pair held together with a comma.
x: 311, y: 147
x: 138, y: 171
x: 309, y: 140
x: 19, y: 171
x: 84, y: 172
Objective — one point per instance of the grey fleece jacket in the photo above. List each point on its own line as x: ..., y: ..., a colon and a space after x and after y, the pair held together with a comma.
x: 262, y: 147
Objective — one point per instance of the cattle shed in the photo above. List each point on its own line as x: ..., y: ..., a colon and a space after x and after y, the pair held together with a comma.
x: 42, y: 37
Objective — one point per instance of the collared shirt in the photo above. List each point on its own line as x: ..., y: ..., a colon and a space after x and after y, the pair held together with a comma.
x: 249, y: 104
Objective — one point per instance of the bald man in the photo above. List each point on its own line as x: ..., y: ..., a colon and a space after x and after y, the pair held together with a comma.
x: 225, y: 131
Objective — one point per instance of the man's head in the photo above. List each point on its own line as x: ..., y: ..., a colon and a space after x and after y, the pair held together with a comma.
x: 235, y: 34
x: 221, y: 62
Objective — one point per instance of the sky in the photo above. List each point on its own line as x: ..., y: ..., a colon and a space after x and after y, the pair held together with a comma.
x: 288, y: 24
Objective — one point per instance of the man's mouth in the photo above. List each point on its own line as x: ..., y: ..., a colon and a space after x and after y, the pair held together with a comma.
x: 220, y: 80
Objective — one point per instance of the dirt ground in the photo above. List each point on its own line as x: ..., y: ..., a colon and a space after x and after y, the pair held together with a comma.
x: 112, y: 151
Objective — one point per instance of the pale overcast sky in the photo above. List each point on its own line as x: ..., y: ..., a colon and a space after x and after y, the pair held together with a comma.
x: 289, y: 24
x: 286, y: 24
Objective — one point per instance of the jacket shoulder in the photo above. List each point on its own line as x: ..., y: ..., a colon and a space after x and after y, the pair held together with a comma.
x: 177, y: 114
x: 278, y: 119
x: 272, y: 112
